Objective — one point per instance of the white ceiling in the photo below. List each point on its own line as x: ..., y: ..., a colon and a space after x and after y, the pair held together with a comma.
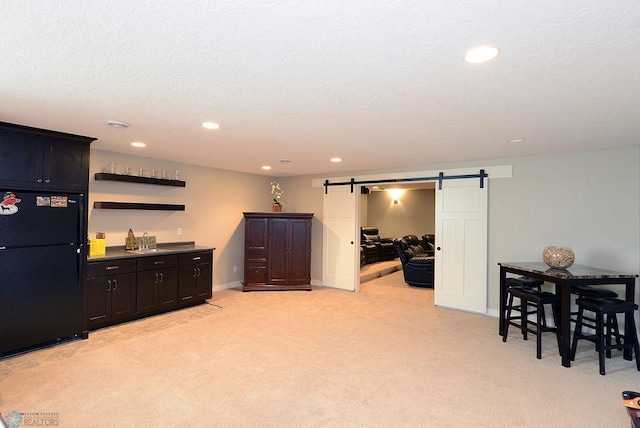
x: 379, y: 83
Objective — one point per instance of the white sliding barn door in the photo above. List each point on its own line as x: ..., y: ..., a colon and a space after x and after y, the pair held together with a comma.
x: 340, y: 260
x: 461, y: 245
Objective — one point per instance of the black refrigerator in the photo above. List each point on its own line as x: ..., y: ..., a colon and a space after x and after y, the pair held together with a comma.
x: 41, y: 264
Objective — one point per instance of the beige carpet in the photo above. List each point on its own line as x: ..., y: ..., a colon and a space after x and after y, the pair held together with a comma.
x: 384, y: 357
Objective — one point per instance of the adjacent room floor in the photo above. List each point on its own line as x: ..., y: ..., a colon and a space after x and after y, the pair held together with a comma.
x: 376, y: 270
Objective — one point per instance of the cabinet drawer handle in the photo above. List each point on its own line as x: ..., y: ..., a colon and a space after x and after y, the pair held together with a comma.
x: 156, y: 281
x: 47, y: 181
x: 158, y: 263
x: 198, y: 271
x: 113, y: 267
x: 39, y: 180
x: 109, y: 285
x: 161, y: 277
x: 196, y: 258
x: 115, y: 284
x: 195, y: 272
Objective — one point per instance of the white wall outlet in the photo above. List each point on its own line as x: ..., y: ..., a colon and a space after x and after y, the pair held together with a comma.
x: 179, y: 231
x: 235, y: 269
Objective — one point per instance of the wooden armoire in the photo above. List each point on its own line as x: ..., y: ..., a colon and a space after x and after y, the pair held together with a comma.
x: 277, y: 251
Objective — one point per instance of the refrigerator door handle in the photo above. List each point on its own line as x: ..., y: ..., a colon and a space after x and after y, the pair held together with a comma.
x: 79, y: 254
x: 82, y: 234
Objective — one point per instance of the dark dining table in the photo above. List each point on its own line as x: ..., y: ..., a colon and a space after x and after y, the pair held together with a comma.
x: 564, y: 280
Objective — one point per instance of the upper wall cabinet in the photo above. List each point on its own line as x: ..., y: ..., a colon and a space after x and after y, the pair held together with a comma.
x: 32, y: 158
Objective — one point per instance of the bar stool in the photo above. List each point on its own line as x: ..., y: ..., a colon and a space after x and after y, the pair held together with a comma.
x: 524, y: 282
x: 588, y: 291
x: 584, y: 290
x: 536, y: 299
x: 606, y: 328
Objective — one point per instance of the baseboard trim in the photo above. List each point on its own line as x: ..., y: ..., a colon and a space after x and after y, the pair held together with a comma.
x: 220, y: 287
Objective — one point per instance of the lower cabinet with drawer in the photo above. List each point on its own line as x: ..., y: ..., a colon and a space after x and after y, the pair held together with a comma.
x: 195, y: 277
x: 110, y: 292
x: 120, y: 290
x: 157, y: 284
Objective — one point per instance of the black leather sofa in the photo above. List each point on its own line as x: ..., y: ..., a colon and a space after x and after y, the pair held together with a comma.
x: 375, y: 248
x: 417, y: 263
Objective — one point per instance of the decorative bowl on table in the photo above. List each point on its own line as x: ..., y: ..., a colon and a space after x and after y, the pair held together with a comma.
x: 558, y: 257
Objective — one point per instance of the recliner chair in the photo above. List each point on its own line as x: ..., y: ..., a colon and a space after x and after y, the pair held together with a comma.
x: 385, y: 247
x: 428, y: 242
x: 417, y: 265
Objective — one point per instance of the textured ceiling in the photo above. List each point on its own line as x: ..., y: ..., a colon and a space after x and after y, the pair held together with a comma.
x: 379, y: 83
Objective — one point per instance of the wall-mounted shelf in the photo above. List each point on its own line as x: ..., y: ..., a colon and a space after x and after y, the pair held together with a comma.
x: 142, y: 180
x: 102, y: 205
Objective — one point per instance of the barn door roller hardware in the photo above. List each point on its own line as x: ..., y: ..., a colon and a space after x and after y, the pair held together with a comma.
x: 440, y: 178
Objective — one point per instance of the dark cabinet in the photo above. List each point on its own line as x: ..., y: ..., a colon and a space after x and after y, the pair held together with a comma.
x: 110, y: 292
x: 42, y: 260
x: 157, y: 284
x: 194, y: 282
x: 33, y: 158
x: 124, y: 289
x: 277, y: 251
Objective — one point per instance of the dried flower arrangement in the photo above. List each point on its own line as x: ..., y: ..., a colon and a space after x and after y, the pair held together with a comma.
x: 277, y: 191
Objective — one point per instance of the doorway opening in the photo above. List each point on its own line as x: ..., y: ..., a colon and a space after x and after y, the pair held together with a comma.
x: 393, y: 211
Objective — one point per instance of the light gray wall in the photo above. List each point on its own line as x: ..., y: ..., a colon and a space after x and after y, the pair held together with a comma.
x: 588, y: 201
x: 214, y: 199
x: 414, y: 214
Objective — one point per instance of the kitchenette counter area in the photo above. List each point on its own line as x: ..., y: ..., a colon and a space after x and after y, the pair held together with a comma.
x: 123, y: 285
x: 119, y: 252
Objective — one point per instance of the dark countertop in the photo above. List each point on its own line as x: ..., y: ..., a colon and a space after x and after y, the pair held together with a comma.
x: 574, y: 271
x: 163, y: 249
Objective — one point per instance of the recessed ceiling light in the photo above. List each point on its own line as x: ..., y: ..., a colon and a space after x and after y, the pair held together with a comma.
x: 481, y: 54
x: 266, y: 167
x: 336, y: 160
x: 210, y: 125
x: 117, y: 124
x: 138, y: 144
x: 516, y: 140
